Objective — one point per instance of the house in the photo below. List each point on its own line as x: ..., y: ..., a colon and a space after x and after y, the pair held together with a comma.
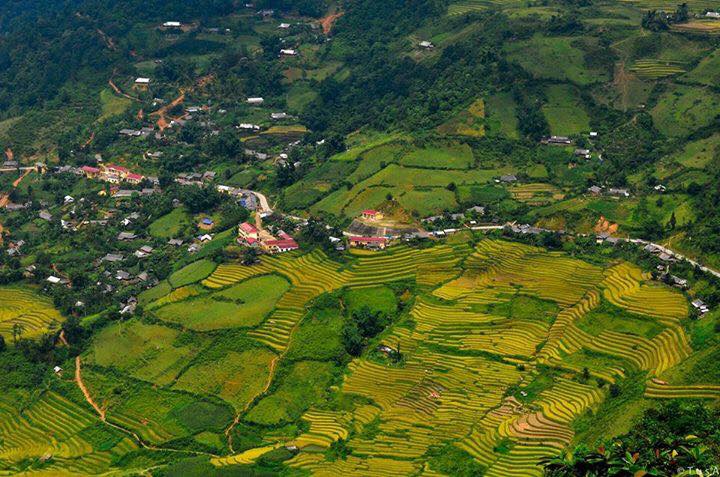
x: 666, y: 257
x: 700, y: 306
x: 284, y: 26
x: 172, y: 24
x: 144, y: 251
x: 112, y: 258
x: 679, y: 282
x: 248, y: 127
x: 593, y: 134
x: 52, y: 279
x: 122, y: 275
x: 660, y: 188
x: 713, y: 15
x: 558, y: 140
x: 278, y: 116
x: 255, y: 101
x: 281, y: 245
x: 11, y: 164
x: 129, y: 132
x: 427, y: 45
x: 477, y: 209
x: 618, y: 192
x: 508, y: 178
x: 124, y: 236
x: 175, y: 242
x: 248, y: 233
x: 193, y: 248
x: 205, y: 238
x: 288, y: 52
x: 142, y: 83
x: 582, y: 152
x: 68, y: 199
x: 206, y: 224
x: 376, y: 243
x: 45, y: 215
x: 370, y: 214
x: 595, y: 190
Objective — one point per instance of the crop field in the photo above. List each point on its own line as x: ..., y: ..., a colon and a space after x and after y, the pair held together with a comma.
x: 192, y: 273
x: 536, y: 194
x: 495, y: 338
x: 468, y: 122
x: 170, y: 225
x: 451, y: 157
x: 26, y: 312
x: 650, y: 69
x: 54, y: 426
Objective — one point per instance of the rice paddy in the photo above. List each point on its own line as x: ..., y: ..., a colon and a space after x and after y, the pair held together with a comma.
x: 495, y: 338
x: 25, y: 313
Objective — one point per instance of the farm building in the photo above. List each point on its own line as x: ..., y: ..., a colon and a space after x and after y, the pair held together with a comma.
x: 376, y: 243
x: 255, y: 101
x: 142, y: 83
x: 288, y: 52
x: 206, y: 223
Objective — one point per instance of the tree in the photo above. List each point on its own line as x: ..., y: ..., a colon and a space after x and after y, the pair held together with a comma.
x: 672, y: 222
x: 3, y: 345
x: 352, y: 339
x: 250, y: 256
x: 17, y: 330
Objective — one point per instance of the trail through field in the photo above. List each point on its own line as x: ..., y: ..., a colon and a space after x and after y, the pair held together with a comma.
x: 162, y: 122
x: 328, y: 21
x: 5, y: 198
x: 119, y: 91
x: 108, y: 41
x: 84, y: 389
x: 90, y: 140
x: 271, y: 376
x: 103, y: 417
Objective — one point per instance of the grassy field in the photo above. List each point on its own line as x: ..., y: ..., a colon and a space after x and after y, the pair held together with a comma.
x: 564, y: 111
x: 683, y: 109
x: 112, y: 105
x: 556, y: 58
x: 242, y: 305
x: 170, y: 225
x: 450, y: 157
x: 698, y: 154
x: 501, y: 112
x: 192, y: 273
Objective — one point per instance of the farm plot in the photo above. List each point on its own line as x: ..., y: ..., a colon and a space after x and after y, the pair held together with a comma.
x: 26, y: 313
x: 147, y: 352
x: 236, y: 377
x: 536, y: 193
x: 652, y: 69
x: 53, y: 425
x: 707, y: 72
x: 457, y: 156
x: 192, y: 273
x: 243, y: 305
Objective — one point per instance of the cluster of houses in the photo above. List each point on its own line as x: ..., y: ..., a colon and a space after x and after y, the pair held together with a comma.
x: 611, y: 191
x: 113, y: 174
x: 250, y: 236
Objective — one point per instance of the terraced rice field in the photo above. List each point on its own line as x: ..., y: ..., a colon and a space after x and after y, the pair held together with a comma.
x: 461, y: 355
x: 654, y: 69
x: 54, y: 429
x: 24, y: 308
x: 485, y: 323
x: 536, y: 194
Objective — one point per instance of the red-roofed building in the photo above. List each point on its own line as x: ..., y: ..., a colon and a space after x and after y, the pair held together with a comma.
x: 90, y: 172
x: 371, y: 214
x: 369, y: 242
x: 280, y: 246
x: 133, y: 178
x: 248, y: 231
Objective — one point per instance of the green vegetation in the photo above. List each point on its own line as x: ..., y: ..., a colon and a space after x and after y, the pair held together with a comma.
x: 170, y: 225
x: 242, y: 305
